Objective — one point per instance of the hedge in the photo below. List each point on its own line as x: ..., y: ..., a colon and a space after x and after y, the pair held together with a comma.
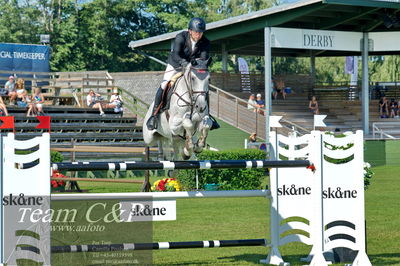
x: 228, y: 179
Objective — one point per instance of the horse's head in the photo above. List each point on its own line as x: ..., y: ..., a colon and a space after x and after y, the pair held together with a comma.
x: 198, y: 76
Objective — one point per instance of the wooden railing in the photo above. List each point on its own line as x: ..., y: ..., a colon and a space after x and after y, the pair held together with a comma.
x: 134, y: 104
x: 57, y: 84
x: 234, y: 111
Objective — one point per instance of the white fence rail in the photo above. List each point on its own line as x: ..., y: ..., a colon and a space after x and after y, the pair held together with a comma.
x: 386, y: 130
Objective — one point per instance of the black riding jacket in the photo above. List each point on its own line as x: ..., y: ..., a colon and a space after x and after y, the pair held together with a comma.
x: 182, y: 50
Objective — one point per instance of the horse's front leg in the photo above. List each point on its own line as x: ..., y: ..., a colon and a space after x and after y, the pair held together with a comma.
x: 204, y: 128
x: 188, y: 126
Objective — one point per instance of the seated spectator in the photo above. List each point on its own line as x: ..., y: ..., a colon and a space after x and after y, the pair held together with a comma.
x: 280, y: 88
x: 252, y: 104
x: 115, y: 102
x: 394, y: 108
x: 36, y: 104
x: 384, y: 108
x: 21, y: 93
x: 3, y: 108
x: 313, y: 106
x: 253, y: 137
x: 93, y: 101
x: 9, y: 89
x: 261, y: 104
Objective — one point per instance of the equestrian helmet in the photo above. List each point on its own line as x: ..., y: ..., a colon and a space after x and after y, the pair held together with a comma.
x: 197, y: 24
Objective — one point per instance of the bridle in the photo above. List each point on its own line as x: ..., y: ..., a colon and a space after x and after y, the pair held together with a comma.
x: 193, y: 94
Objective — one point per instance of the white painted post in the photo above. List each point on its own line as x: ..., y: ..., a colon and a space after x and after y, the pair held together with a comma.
x: 362, y: 258
x: 274, y: 257
x: 267, y: 80
x: 30, y: 188
x: 317, y: 222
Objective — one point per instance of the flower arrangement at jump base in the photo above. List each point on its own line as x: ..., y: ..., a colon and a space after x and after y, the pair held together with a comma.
x: 57, y: 185
x: 167, y: 184
x: 367, y: 174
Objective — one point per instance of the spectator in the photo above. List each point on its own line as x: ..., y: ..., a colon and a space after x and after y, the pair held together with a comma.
x: 92, y: 101
x: 36, y: 104
x: 261, y: 104
x: 394, y: 108
x: 115, y: 101
x: 252, y: 104
x: 21, y: 93
x: 383, y: 108
x: 253, y: 138
x: 313, y: 106
x: 274, y: 91
x: 3, y: 108
x: 280, y: 88
x: 9, y: 89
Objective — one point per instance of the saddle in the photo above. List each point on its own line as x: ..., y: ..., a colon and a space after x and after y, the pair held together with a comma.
x: 167, y: 93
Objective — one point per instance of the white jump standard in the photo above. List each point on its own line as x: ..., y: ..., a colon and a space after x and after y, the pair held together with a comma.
x: 326, y: 204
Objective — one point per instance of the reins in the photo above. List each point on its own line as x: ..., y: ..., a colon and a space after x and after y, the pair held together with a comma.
x: 190, y: 91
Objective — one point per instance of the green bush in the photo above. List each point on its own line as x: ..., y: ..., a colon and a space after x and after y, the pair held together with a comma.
x: 56, y: 157
x: 228, y: 179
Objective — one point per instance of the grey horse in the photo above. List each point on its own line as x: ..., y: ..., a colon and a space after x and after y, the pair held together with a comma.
x: 185, y: 125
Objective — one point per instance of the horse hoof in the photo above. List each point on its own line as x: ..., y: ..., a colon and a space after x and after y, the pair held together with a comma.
x: 185, y: 157
x: 199, y: 150
x: 170, y: 173
x: 186, y: 153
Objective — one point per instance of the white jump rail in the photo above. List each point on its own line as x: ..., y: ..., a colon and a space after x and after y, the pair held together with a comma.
x: 163, y: 195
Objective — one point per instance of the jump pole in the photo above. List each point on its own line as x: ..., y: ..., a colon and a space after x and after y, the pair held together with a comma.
x: 172, y: 165
x: 105, y: 180
x: 163, y: 195
x: 157, y: 245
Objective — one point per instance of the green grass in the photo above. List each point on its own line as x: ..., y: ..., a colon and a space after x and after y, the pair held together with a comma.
x: 229, y: 218
x: 227, y: 137
x: 383, y: 216
x: 103, y: 187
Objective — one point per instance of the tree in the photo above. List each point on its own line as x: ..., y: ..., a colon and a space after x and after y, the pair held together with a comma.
x: 18, y: 23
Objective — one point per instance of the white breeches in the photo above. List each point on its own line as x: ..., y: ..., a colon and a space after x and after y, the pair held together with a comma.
x: 169, y: 73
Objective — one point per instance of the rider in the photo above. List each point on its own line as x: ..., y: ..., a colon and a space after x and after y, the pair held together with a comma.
x: 188, y: 46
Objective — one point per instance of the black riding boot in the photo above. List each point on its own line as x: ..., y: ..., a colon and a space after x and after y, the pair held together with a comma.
x: 152, y: 122
x: 215, y: 124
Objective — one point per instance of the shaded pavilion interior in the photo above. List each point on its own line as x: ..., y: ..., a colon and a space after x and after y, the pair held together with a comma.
x: 245, y: 34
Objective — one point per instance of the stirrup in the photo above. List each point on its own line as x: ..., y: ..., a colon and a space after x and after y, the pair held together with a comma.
x: 152, y: 123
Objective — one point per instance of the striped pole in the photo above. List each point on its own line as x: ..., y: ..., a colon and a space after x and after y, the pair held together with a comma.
x: 162, y: 195
x: 157, y: 245
x: 172, y: 165
x: 105, y: 180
